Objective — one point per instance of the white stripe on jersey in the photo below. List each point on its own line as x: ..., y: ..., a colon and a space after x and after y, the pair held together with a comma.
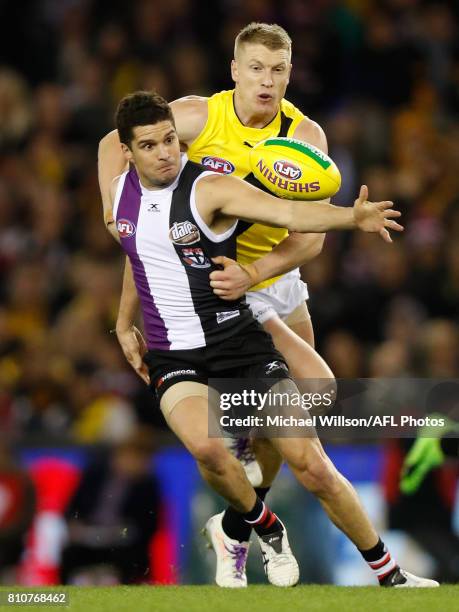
x: 165, y: 272
x: 119, y: 191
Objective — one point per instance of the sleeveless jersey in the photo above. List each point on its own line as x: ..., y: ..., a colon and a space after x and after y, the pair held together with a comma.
x: 170, y: 250
x: 224, y: 145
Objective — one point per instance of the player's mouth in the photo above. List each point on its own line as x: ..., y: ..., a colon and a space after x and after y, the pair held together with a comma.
x: 265, y: 97
x: 166, y: 168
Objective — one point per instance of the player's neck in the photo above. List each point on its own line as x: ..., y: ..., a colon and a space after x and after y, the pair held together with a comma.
x: 248, y: 117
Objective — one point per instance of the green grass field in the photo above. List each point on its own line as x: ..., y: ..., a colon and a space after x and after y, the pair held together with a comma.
x: 255, y: 599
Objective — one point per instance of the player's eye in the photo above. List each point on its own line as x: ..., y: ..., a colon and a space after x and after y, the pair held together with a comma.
x: 170, y: 140
x: 257, y: 68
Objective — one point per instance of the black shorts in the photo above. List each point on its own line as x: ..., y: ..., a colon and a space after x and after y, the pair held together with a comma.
x: 248, y: 354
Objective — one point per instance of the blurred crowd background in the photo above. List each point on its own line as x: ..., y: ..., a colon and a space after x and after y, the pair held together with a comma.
x: 380, y: 76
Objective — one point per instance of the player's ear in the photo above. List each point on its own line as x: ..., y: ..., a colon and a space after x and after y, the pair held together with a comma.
x: 127, y: 152
x: 234, y: 71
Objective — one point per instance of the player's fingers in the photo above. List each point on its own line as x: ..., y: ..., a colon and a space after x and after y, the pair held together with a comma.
x: 363, y: 194
x: 141, y: 341
x: 393, y: 225
x: 384, y: 205
x: 143, y: 373
x: 137, y: 362
x: 227, y: 297
x: 221, y: 260
x: 220, y: 292
x: 217, y: 275
x: 218, y: 284
x: 385, y: 235
x: 392, y: 213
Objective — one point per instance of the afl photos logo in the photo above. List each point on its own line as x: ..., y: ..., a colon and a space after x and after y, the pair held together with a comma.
x: 184, y: 233
x: 125, y: 228
x: 287, y: 170
x: 218, y: 164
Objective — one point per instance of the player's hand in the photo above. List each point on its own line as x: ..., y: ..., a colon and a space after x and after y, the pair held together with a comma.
x: 134, y: 348
x: 375, y: 216
x: 232, y: 282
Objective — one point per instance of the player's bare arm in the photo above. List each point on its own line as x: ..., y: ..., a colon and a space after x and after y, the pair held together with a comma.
x: 222, y: 199
x: 111, y: 162
x: 297, y: 249
x: 190, y: 116
x: 129, y: 336
x: 235, y: 279
x: 108, y: 210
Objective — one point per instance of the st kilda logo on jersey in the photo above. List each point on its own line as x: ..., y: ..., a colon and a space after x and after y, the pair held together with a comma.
x: 184, y: 232
x: 125, y: 228
x: 194, y: 257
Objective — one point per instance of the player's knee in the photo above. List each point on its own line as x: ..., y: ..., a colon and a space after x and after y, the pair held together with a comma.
x: 211, y: 454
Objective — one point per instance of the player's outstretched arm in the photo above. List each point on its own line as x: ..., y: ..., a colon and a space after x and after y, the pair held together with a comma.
x: 219, y: 196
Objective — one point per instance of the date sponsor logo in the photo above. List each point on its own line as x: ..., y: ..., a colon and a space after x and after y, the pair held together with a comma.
x: 184, y: 232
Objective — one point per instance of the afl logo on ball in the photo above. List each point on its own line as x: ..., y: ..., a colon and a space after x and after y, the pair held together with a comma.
x: 218, y: 164
x: 125, y: 228
x: 287, y: 170
x: 184, y: 233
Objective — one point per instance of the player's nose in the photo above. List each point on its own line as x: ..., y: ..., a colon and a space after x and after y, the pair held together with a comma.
x: 163, y: 152
x: 267, y: 79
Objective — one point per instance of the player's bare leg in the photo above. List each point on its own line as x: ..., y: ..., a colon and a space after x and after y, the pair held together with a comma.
x: 188, y: 419
x: 304, y: 363
x: 223, y: 472
x: 269, y: 459
x: 299, y: 321
x: 314, y: 470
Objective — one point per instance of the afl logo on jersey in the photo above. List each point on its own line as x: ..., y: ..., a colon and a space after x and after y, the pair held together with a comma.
x: 287, y: 170
x: 218, y: 164
x: 125, y: 228
x: 184, y: 233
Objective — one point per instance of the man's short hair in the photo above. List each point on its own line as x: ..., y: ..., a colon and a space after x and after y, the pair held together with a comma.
x: 140, y: 108
x: 270, y: 35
